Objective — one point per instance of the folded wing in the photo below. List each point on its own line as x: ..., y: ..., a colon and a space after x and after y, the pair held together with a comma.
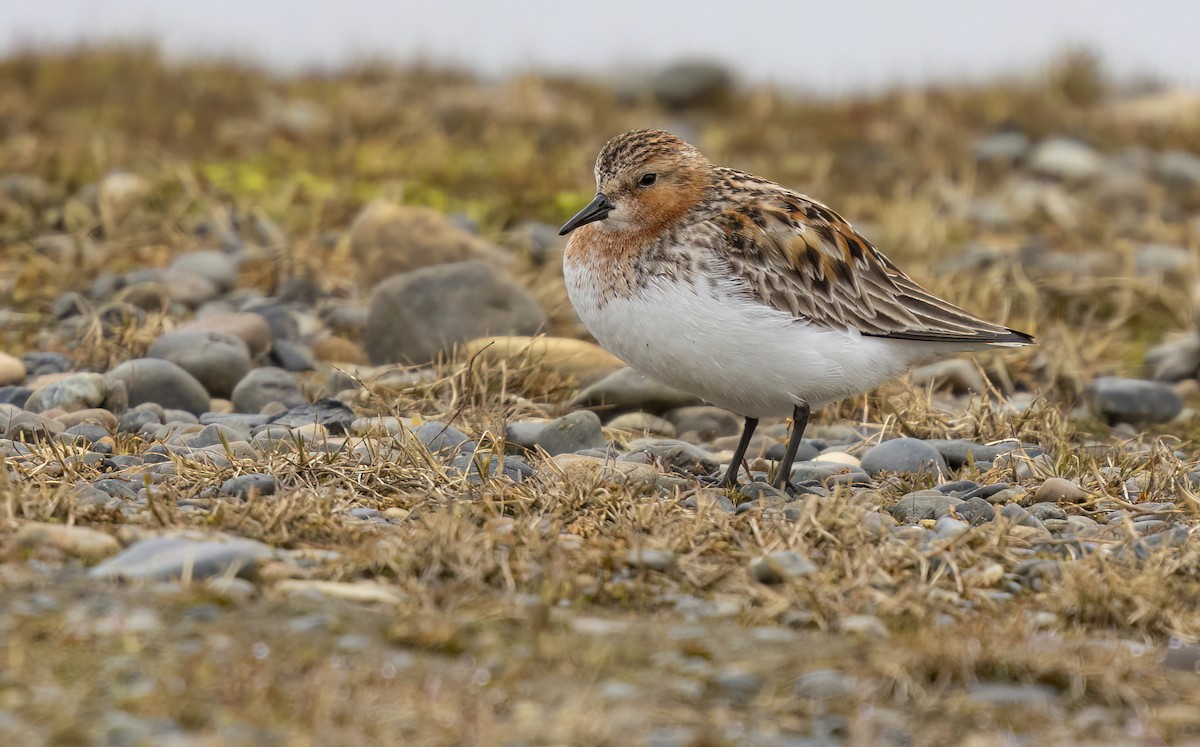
x: 801, y: 257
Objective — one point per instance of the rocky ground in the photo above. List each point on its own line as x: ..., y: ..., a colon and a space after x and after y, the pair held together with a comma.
x: 303, y: 445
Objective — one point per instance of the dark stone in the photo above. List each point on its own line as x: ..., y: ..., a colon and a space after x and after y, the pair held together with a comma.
x: 1133, y: 401
x: 417, y: 316
x: 262, y: 386
x: 907, y: 455
x: 15, y: 395
x: 335, y: 416
x: 163, y: 383
x: 218, y: 360
x: 42, y: 363
x: 243, y: 486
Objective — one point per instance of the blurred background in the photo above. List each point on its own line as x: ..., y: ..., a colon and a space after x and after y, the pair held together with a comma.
x: 1036, y: 162
x: 812, y: 46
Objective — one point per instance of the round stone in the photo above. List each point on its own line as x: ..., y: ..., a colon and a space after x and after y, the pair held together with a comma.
x: 571, y: 433
x: 218, y: 360
x: 153, y: 380
x: 907, y: 455
x: 76, y: 392
x: 417, y: 316
x: 219, y: 268
x: 1133, y: 401
x: 252, y: 328
x: 262, y: 386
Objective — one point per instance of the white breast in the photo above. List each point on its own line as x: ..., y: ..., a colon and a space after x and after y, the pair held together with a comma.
x: 745, y: 357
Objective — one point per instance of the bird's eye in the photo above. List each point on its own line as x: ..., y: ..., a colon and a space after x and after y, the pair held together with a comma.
x: 647, y: 180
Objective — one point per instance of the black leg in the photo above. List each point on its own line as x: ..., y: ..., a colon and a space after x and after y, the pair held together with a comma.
x: 730, y: 478
x: 799, y: 423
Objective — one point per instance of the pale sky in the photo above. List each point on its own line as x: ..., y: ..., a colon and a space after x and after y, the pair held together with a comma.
x: 826, y: 46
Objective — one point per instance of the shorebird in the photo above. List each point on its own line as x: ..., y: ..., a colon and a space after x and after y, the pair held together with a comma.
x: 751, y: 296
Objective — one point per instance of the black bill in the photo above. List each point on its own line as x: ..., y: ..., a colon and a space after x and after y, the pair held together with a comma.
x: 596, y: 210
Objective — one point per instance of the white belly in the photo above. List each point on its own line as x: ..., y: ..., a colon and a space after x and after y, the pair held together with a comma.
x: 741, y: 356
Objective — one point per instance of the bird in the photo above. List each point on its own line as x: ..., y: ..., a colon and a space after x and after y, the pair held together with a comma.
x: 748, y: 295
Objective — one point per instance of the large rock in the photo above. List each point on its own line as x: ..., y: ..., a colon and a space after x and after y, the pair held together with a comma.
x: 218, y: 360
x: 387, y: 239
x: 82, y: 391
x: 908, y: 455
x: 1133, y: 401
x: 217, y: 267
x: 262, y: 386
x: 252, y: 328
x: 418, y: 315
x: 163, y: 383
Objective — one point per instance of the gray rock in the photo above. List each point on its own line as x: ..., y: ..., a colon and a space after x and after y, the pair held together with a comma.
x: 958, y: 452
x: 1178, y: 168
x: 243, y: 486
x: 87, y: 432
x: 292, y: 356
x: 217, y: 433
x: 188, y: 288
x: 738, y: 684
x: 924, y: 504
x: 219, y: 268
x: 651, y: 558
x: 976, y: 511
x: 692, y: 83
x: 163, y: 383
x: 1133, y: 401
x: 1044, y: 511
x: 908, y: 455
x: 281, y: 318
x: 471, y: 465
x: 1003, y: 694
x: 824, y: 684
x: 805, y: 452
x: 1066, y: 159
x: 416, y: 316
x: 1174, y: 360
x: 705, y: 422
x: 262, y: 386
x: 441, y: 437
x: 1000, y: 147
x: 524, y: 433
x: 167, y: 558
x: 571, y: 433
x: 81, y: 391
x: 251, y: 328
x: 335, y: 416
x: 218, y: 360
x: 780, y: 566
x: 1019, y: 515
x: 41, y: 363
x: 948, y: 527
x: 674, y: 453
x: 1163, y: 261
x: 626, y: 389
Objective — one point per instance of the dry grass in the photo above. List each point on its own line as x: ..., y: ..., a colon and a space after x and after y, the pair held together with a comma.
x: 517, y: 612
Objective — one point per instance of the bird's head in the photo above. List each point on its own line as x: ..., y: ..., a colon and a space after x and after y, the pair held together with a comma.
x: 644, y: 180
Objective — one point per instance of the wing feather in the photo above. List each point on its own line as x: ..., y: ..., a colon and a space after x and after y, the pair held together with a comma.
x: 799, y: 256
